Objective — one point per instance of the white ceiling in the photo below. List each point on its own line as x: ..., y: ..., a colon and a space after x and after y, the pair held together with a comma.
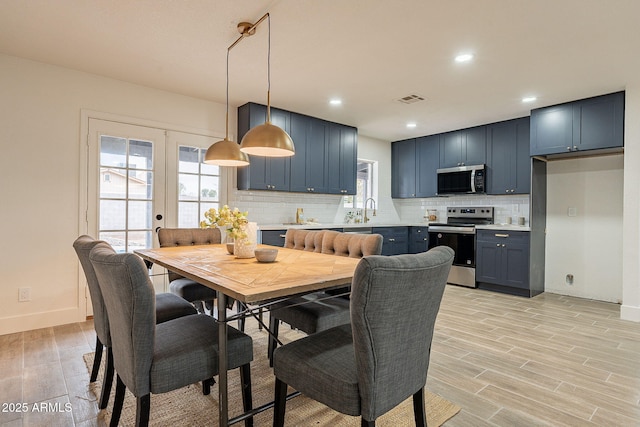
x: 367, y: 52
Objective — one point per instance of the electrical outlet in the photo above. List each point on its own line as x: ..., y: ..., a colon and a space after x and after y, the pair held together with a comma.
x: 24, y: 294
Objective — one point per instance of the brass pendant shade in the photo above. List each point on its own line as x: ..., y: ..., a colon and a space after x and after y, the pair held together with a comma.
x: 226, y: 153
x: 267, y: 140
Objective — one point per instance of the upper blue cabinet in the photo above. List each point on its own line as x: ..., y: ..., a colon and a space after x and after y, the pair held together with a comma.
x: 578, y: 127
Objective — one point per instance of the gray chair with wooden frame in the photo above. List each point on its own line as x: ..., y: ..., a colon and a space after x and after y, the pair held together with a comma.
x: 168, y: 306
x: 320, y: 310
x: 151, y: 358
x: 370, y: 366
x: 197, y: 294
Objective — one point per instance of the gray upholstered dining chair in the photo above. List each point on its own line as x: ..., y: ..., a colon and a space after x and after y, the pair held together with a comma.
x: 197, y: 294
x: 370, y: 366
x: 320, y: 310
x: 151, y: 358
x: 168, y: 306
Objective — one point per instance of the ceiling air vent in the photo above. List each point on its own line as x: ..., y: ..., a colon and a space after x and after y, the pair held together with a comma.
x: 411, y: 99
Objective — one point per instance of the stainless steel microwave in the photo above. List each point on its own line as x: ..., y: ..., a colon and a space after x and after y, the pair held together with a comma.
x: 462, y: 180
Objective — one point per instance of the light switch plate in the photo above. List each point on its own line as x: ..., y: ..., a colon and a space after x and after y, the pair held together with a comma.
x: 572, y: 211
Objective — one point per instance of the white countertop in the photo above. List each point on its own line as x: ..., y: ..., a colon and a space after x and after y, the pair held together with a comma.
x: 311, y: 226
x: 507, y: 227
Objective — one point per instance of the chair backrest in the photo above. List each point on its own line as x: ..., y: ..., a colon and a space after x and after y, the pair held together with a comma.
x: 83, y: 246
x: 394, y: 303
x: 130, y: 301
x: 351, y: 245
x: 187, y: 237
x: 304, y: 240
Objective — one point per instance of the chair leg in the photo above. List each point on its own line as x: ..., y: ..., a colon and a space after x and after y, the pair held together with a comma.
x: 274, y: 326
x: 419, y: 412
x: 279, y: 406
x: 365, y: 423
x: 143, y: 406
x: 260, y: 317
x: 206, y: 386
x: 241, y: 320
x: 118, y: 402
x: 107, y: 380
x: 199, y: 307
x: 96, y: 361
x: 247, y: 399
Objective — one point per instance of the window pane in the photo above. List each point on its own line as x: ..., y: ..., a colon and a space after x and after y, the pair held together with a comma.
x: 188, y: 187
x: 116, y: 239
x: 113, y: 183
x: 112, y: 214
x: 113, y: 151
x: 206, y: 168
x: 139, y: 240
x: 139, y: 215
x: 140, y: 185
x: 209, y: 188
x: 188, y: 215
x: 140, y: 154
x: 188, y: 159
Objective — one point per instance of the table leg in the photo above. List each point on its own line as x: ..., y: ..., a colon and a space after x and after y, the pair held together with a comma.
x: 222, y: 360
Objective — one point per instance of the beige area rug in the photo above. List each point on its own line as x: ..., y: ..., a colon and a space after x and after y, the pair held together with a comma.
x: 189, y: 407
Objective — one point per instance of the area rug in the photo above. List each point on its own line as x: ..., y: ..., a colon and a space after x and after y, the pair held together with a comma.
x: 189, y: 407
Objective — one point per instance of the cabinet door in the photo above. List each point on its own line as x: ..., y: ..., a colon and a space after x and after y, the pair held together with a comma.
x: 273, y: 237
x: 427, y: 155
x: 516, y: 265
x: 418, y: 239
x: 474, y: 147
x: 508, y: 161
x: 341, y: 159
x: 278, y: 167
x: 403, y: 169
x: 599, y: 122
x: 317, y: 168
x: 451, y: 149
x: 349, y: 159
x: 522, y: 184
x: 552, y: 130
x: 488, y: 262
x: 300, y: 129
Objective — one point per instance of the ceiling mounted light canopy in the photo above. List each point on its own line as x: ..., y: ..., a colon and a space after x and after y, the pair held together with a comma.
x: 267, y: 140
x: 226, y: 152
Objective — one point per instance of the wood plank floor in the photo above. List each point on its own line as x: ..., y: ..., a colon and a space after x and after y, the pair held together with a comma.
x: 507, y: 361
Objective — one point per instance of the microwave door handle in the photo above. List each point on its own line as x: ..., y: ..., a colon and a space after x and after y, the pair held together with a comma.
x: 473, y: 181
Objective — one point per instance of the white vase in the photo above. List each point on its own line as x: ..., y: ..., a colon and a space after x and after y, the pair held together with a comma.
x: 246, y: 246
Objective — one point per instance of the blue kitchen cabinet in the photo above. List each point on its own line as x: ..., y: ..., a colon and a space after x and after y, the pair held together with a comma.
x: 508, y: 161
x: 578, y: 127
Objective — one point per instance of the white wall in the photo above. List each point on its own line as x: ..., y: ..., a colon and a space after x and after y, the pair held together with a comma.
x: 40, y: 112
x: 589, y: 244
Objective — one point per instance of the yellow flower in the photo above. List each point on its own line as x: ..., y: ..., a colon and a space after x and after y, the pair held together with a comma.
x: 225, y: 217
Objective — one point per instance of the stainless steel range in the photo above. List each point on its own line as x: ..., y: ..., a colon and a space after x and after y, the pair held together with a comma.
x: 459, y: 233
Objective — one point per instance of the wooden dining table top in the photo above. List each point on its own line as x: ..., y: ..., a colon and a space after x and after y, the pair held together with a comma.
x: 249, y: 281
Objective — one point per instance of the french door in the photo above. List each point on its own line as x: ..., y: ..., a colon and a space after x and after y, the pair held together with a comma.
x: 141, y: 178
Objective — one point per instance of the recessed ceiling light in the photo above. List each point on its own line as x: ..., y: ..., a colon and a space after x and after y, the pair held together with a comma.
x: 465, y: 57
x: 335, y: 101
x: 411, y: 125
x: 529, y: 99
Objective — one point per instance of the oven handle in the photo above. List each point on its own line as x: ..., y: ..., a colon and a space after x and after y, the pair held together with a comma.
x: 454, y: 230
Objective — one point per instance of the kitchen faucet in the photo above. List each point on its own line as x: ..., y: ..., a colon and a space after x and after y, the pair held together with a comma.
x: 373, y: 202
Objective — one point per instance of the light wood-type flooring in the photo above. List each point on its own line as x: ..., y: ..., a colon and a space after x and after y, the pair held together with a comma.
x: 507, y: 361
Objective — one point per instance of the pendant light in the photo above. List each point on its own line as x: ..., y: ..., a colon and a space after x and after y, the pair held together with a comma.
x: 226, y: 152
x: 266, y: 140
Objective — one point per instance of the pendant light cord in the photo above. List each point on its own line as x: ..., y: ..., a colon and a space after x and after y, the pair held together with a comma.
x: 268, y: 68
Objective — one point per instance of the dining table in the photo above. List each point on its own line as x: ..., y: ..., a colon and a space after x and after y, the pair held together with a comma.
x: 294, y: 272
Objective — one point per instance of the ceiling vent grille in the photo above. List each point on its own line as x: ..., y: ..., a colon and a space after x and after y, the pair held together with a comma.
x: 411, y: 99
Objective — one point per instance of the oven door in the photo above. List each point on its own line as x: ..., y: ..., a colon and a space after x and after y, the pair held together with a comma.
x: 462, y: 243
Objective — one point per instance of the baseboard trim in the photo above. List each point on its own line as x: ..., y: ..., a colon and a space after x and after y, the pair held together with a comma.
x: 47, y: 319
x: 628, y: 312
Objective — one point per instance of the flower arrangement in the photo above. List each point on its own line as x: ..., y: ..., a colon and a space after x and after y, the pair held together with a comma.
x: 234, y: 220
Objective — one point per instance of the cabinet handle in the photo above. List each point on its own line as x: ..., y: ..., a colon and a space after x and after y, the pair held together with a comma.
x: 283, y: 235
x: 568, y: 148
x: 497, y: 245
x: 575, y: 148
x: 392, y: 240
x: 425, y: 239
x: 503, y: 245
x: 501, y: 235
